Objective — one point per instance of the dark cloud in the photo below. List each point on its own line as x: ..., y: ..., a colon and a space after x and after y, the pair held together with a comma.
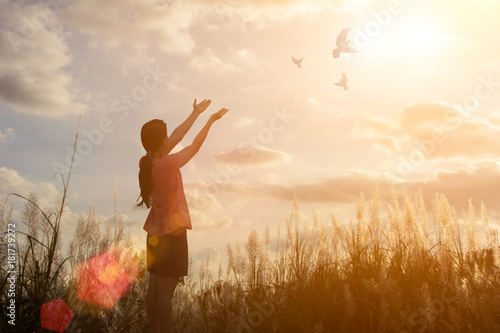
x: 33, y: 78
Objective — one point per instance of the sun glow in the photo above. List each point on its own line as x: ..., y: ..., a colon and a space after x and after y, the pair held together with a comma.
x: 422, y: 37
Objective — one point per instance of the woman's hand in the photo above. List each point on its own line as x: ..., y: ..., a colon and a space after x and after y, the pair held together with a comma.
x: 202, y: 106
x: 218, y: 114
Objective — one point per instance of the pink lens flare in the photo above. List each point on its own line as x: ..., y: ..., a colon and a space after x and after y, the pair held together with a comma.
x: 101, y: 281
x: 56, y: 315
x: 104, y: 279
x: 129, y: 261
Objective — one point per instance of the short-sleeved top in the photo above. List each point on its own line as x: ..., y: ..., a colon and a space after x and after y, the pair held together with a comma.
x: 169, y: 209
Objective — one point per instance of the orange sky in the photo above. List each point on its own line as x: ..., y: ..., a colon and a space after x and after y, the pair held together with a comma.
x: 422, y: 109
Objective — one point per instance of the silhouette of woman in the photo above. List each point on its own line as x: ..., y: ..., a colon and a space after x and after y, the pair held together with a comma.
x: 162, y: 190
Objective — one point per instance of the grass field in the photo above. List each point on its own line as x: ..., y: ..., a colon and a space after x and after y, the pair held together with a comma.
x: 383, y: 271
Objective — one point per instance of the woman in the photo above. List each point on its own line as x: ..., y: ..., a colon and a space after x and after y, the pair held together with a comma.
x: 161, y: 189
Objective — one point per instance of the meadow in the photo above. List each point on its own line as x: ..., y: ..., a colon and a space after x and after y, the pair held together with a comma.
x: 371, y: 274
x: 394, y: 267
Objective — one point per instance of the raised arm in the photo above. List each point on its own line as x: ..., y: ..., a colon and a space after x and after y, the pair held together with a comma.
x: 187, y: 153
x: 183, y: 128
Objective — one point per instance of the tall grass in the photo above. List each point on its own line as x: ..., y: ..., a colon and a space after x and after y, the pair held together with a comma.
x: 39, y: 265
x: 394, y: 267
x: 44, y: 274
x: 379, y: 272
x: 375, y: 274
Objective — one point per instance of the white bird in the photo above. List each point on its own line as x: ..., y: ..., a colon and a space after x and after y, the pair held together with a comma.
x: 343, y: 44
x: 297, y: 61
x: 342, y: 82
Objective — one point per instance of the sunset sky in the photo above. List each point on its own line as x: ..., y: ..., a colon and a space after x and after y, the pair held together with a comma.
x: 422, y: 109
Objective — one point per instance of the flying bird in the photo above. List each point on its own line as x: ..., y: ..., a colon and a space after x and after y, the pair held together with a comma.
x: 343, y: 44
x: 342, y: 82
x: 297, y: 61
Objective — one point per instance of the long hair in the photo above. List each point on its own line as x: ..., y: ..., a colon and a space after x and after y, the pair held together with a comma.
x: 152, y: 134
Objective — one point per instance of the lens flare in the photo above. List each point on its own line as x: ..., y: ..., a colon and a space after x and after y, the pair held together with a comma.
x: 56, y: 315
x: 104, y: 279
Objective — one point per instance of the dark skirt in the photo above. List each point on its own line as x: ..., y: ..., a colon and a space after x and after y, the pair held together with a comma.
x: 168, y: 255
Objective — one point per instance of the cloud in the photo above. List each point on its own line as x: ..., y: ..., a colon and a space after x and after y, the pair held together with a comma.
x: 236, y: 60
x: 12, y: 182
x: 34, y: 54
x: 7, y: 135
x: 42, y: 94
x: 202, y: 222
x: 252, y: 156
x: 260, y: 13
x: 210, y: 62
x: 479, y: 181
x: 438, y: 130
x: 198, y: 198
x: 245, y: 121
x: 343, y: 188
x: 135, y: 23
x: 110, y: 220
x: 48, y: 195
